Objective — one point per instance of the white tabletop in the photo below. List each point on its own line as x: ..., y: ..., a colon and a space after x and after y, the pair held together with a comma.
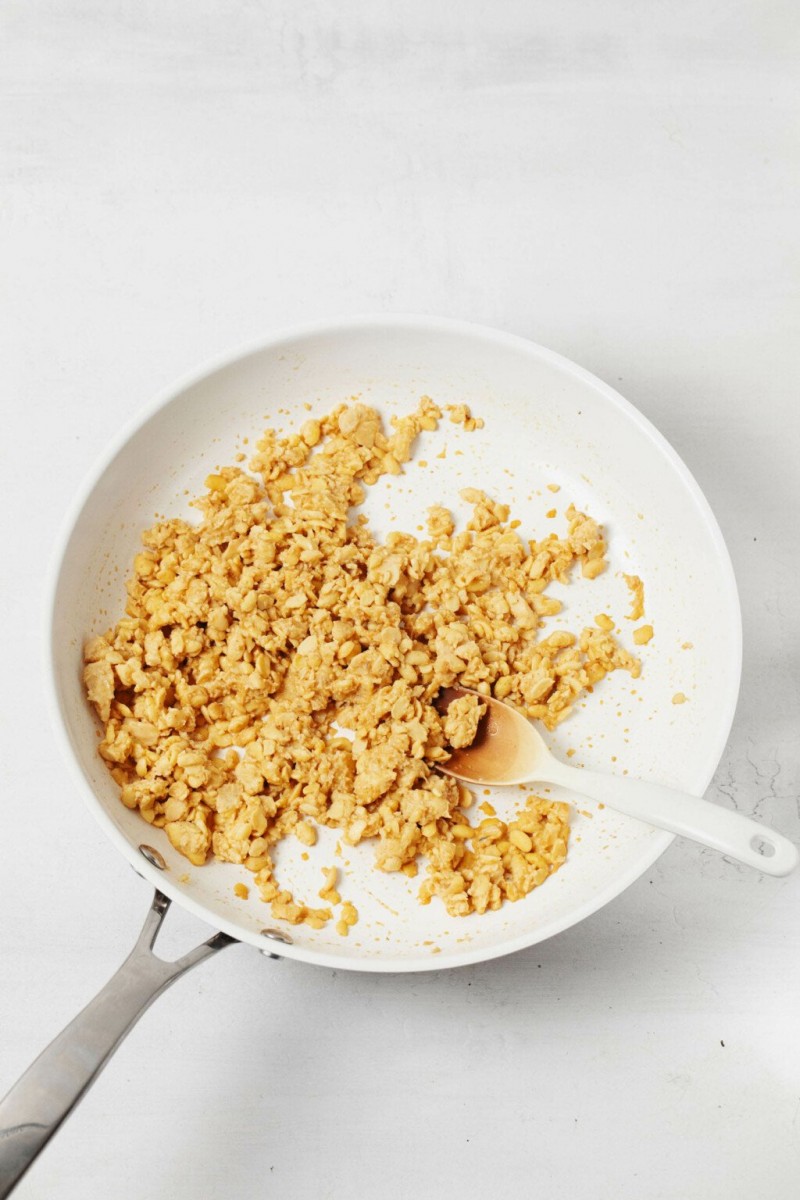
x: 617, y: 181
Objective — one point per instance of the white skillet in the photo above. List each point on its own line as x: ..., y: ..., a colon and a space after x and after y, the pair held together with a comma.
x: 547, y: 421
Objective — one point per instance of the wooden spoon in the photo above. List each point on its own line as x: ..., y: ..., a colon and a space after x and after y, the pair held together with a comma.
x: 508, y: 750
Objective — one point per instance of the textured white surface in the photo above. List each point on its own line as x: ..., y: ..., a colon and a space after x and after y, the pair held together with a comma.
x: 615, y: 181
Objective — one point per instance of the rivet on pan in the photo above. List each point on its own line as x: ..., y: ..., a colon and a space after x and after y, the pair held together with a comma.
x: 277, y: 935
x: 153, y: 857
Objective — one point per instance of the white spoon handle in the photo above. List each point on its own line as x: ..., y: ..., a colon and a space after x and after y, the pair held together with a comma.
x: 729, y: 832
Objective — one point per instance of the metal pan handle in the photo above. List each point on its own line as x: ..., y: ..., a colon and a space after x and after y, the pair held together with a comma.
x: 51, y: 1087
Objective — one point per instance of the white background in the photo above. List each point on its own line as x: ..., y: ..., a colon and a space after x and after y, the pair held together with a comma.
x: 617, y: 181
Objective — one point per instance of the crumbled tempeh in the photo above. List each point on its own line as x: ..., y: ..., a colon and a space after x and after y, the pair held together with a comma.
x: 636, y: 588
x: 462, y: 719
x: 328, y: 891
x: 348, y: 918
x: 504, y: 861
x: 248, y: 634
x: 460, y: 415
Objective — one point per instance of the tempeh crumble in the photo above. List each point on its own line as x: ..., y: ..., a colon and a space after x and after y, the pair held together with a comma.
x: 277, y: 666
